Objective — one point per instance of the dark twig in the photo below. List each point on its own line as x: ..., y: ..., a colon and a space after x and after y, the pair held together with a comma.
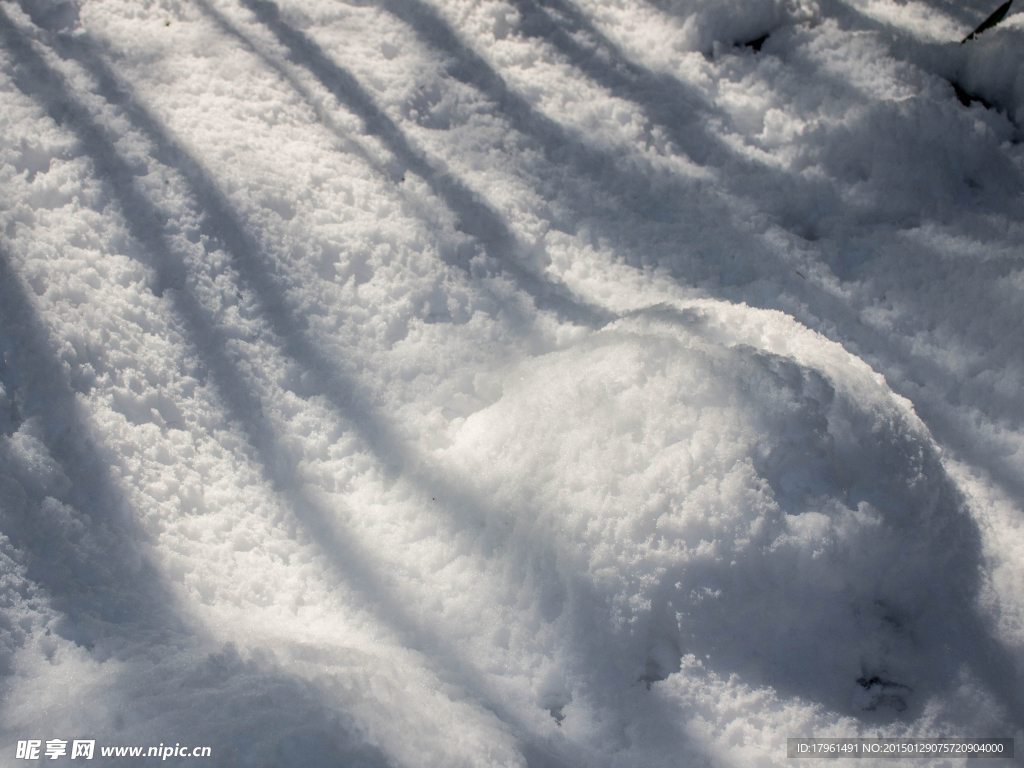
x: 990, y: 22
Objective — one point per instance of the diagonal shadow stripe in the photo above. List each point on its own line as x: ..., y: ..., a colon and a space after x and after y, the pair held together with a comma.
x: 668, y: 103
x: 373, y: 587
x: 36, y: 79
x: 614, y: 197
x: 145, y: 224
x: 86, y: 557
x: 474, y: 217
x: 109, y: 598
x: 673, y: 106
x: 632, y: 189
x: 326, y: 378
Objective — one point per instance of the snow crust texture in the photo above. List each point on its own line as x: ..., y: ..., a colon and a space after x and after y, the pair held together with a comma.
x: 510, y: 382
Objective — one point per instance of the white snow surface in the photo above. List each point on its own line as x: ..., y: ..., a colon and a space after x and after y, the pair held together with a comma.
x: 510, y: 382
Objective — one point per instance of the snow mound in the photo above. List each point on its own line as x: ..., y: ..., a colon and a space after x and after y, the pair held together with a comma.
x: 787, y: 522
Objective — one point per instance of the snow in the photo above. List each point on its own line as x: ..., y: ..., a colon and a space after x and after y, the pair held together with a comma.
x: 510, y: 382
